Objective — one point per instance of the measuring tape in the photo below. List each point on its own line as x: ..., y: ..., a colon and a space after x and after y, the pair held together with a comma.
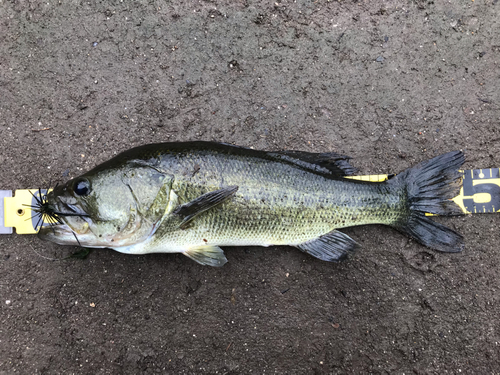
x: 16, y: 212
x: 480, y: 193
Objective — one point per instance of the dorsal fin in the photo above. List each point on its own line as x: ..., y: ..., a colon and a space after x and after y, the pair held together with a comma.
x: 329, y: 163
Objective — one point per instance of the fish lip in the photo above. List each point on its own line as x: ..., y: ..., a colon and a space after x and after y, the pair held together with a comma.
x: 61, y: 234
x: 61, y: 228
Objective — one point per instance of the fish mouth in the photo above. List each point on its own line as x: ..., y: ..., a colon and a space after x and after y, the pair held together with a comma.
x: 60, y: 233
x: 66, y: 220
x: 68, y: 232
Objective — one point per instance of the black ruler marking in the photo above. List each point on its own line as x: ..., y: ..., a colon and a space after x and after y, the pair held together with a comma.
x: 476, y: 181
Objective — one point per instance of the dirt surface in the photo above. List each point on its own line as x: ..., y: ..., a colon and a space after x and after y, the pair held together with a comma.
x: 386, y: 83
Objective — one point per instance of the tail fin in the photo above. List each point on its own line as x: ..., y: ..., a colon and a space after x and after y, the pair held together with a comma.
x: 430, y: 186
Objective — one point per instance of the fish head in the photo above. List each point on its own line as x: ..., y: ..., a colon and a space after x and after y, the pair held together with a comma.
x: 105, y: 208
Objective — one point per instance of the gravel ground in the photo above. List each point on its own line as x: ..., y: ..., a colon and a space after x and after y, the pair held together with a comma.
x: 389, y: 83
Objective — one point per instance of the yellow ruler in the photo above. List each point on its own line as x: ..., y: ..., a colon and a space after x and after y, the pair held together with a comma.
x: 17, y: 212
x: 480, y: 193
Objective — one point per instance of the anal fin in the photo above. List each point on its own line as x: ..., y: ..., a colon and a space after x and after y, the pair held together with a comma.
x: 207, y: 255
x: 332, y: 247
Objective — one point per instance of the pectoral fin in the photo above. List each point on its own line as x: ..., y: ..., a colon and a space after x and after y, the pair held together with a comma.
x: 190, y: 210
x: 332, y: 247
x: 207, y: 255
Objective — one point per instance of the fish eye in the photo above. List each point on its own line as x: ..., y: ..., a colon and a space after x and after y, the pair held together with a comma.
x: 81, y: 187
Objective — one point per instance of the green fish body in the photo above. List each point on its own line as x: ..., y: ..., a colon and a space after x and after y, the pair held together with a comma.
x: 195, y: 197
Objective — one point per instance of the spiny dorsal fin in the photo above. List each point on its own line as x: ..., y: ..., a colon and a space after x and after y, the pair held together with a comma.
x: 190, y: 210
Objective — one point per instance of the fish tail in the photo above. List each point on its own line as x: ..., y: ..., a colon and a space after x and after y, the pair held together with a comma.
x: 429, y: 188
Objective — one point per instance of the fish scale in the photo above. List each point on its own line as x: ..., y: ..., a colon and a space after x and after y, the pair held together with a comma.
x: 194, y: 197
x: 276, y: 204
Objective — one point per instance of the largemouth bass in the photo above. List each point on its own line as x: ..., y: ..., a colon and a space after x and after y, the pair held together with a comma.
x: 195, y: 197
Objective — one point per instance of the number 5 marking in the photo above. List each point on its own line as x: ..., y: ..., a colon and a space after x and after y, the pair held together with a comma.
x: 473, y: 184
